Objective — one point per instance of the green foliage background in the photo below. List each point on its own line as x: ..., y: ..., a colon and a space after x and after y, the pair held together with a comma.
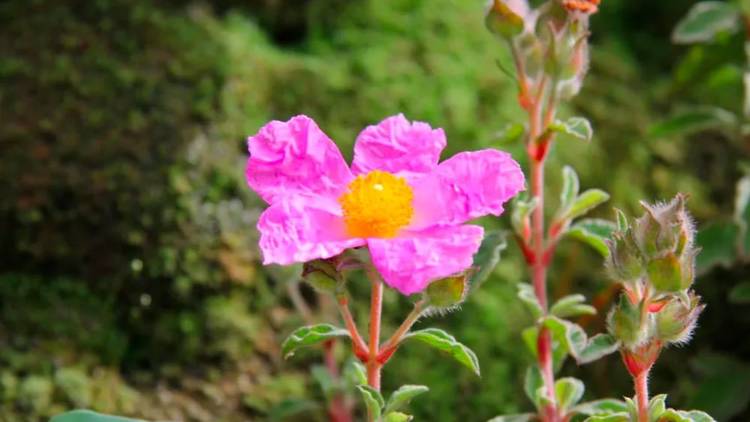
x: 129, y: 273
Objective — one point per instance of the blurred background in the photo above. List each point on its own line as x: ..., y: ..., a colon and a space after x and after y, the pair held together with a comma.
x: 130, y: 279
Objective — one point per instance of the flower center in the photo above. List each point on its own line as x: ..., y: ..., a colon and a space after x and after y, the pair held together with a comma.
x: 377, y: 204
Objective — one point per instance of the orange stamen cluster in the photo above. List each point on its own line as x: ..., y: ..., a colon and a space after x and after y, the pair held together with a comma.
x: 585, y: 6
x: 377, y: 204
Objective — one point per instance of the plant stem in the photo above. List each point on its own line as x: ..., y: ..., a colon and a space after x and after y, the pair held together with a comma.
x: 641, y: 395
x: 358, y: 343
x: 392, y: 343
x: 376, y: 305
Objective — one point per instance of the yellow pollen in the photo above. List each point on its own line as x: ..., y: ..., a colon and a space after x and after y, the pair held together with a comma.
x: 377, y: 204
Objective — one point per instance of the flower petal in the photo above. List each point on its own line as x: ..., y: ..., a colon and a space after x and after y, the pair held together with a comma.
x: 397, y: 145
x: 466, y: 186
x: 409, y: 263
x: 302, y: 228
x: 287, y: 158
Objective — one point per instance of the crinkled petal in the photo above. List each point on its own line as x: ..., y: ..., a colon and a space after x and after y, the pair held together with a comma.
x: 466, y: 186
x: 302, y: 228
x: 398, y: 146
x: 292, y: 157
x: 410, y: 262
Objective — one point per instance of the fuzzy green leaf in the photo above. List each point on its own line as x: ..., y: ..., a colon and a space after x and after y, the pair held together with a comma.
x: 585, y: 202
x: 594, y: 232
x: 568, y: 392
x: 570, y: 188
x: 445, y: 342
x: 403, y: 396
x: 705, y: 20
x: 310, y: 335
x: 612, y: 417
x: 575, y: 127
x: 373, y: 400
x: 487, y: 257
x: 532, y: 382
x: 527, y: 296
x: 601, y: 407
x: 397, y: 417
x: 89, y: 416
x: 572, y: 305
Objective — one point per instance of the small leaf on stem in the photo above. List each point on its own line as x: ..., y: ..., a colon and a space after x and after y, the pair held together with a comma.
x: 445, y: 342
x: 310, y: 335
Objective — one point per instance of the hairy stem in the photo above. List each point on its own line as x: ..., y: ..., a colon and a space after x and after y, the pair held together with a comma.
x: 537, y: 147
x: 376, y: 305
x: 358, y: 343
x: 392, y: 343
x: 641, y: 395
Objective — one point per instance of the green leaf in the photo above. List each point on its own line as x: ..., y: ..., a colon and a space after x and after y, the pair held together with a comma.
x: 724, y: 390
x: 717, y: 241
x: 612, y: 417
x: 521, y: 417
x: 570, y: 188
x: 487, y: 257
x: 593, y: 232
x: 692, y: 120
x: 355, y: 373
x: 572, y: 305
x: 522, y: 209
x: 672, y: 415
x: 622, y: 220
x: 574, y: 340
x: 403, y: 396
x: 373, y: 400
x: 527, y: 296
x: 585, y: 202
x: 532, y: 382
x: 445, y: 342
x: 397, y: 417
x: 575, y: 127
x: 89, y: 416
x: 597, y: 347
x: 705, y: 20
x: 568, y: 392
x: 740, y: 293
x: 657, y: 406
x: 511, y: 133
x: 310, y: 335
x: 601, y: 407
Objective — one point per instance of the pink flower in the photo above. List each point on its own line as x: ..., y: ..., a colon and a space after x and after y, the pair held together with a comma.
x: 396, y: 199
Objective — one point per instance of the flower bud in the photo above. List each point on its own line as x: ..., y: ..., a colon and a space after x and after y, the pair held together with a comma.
x: 322, y: 275
x: 448, y: 292
x: 628, y: 323
x: 664, y: 228
x: 503, y: 20
x: 624, y: 260
x: 676, y: 320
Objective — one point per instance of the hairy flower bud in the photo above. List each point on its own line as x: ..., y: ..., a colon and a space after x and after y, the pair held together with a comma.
x: 676, y: 320
x: 505, y: 18
x: 628, y: 323
x: 624, y: 260
x: 448, y: 292
x: 322, y: 275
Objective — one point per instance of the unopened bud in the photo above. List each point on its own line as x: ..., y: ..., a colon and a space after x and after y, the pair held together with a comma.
x: 624, y: 260
x: 628, y: 323
x: 665, y: 228
x: 502, y: 20
x: 322, y: 275
x: 676, y: 320
x: 448, y: 292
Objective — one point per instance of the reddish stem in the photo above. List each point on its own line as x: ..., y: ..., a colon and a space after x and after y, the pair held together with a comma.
x: 641, y: 395
x: 358, y: 344
x: 376, y: 305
